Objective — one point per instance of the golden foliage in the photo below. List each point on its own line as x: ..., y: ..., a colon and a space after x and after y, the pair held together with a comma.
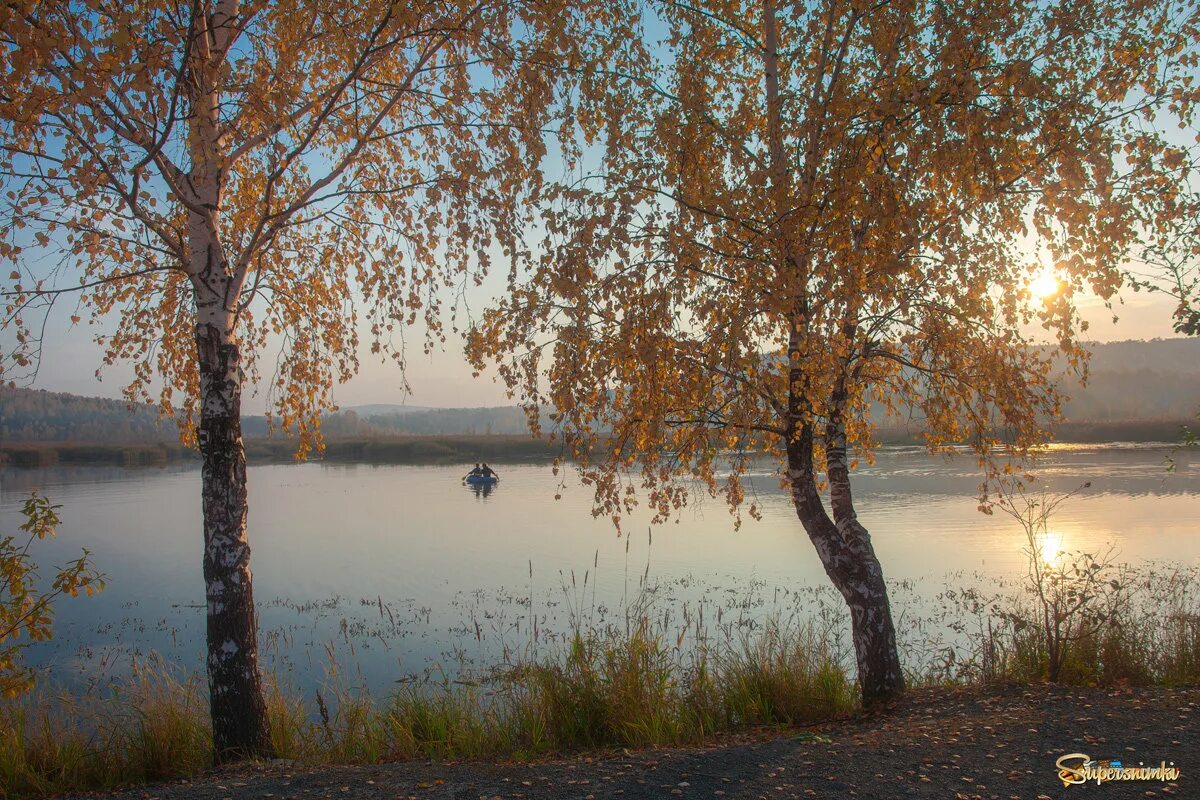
x: 27, y: 609
x: 288, y: 171
x: 831, y: 207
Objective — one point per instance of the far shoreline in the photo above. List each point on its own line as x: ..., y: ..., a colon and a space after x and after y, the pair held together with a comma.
x: 458, y: 448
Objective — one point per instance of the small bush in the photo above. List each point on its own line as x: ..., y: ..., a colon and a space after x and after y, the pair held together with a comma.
x: 26, y: 601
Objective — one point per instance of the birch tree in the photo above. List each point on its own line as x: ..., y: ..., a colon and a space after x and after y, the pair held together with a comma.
x: 817, y: 206
x: 222, y: 179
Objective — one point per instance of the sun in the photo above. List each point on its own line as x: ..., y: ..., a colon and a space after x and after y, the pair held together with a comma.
x: 1044, y: 284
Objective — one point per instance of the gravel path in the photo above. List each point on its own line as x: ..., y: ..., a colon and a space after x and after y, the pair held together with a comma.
x: 934, y: 744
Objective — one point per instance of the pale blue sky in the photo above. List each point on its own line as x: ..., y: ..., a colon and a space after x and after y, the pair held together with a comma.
x: 443, y: 378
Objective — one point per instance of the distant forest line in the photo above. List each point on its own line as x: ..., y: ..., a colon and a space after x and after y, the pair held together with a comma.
x: 1137, y: 391
x: 447, y: 449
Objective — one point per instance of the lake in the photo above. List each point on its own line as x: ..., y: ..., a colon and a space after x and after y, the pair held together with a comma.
x: 396, y: 570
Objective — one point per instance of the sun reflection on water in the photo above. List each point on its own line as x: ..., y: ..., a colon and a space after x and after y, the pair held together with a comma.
x: 1051, y: 546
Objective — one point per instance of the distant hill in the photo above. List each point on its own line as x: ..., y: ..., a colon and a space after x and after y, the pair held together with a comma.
x: 1161, y: 355
x: 493, y: 420
x: 1134, y: 380
x: 1138, y: 380
x: 385, y: 409
x: 35, y: 415
x: 1158, y: 380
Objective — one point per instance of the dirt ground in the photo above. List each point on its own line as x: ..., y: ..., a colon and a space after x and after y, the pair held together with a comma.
x: 933, y: 744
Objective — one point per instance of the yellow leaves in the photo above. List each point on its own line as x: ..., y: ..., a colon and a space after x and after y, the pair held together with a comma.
x: 906, y: 191
x: 27, y: 609
x: 338, y: 184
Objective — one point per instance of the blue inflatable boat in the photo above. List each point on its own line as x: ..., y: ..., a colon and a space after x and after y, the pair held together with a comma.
x: 482, y: 480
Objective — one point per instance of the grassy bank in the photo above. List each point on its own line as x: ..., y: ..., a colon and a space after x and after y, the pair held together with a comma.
x: 628, y: 690
x: 641, y: 683
x: 49, y: 454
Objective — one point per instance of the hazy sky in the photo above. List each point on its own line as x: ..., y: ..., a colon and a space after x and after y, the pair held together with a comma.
x: 443, y: 379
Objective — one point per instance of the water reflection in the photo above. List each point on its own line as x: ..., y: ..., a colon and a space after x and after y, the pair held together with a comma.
x: 481, y: 490
x: 1050, y: 547
x: 392, y: 566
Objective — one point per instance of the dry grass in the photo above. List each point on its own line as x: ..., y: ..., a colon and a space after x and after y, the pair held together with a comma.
x: 1145, y: 632
x: 611, y: 690
x: 150, y: 727
x: 640, y: 683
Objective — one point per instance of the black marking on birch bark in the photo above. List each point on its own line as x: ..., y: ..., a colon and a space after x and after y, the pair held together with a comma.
x: 850, y: 562
x: 239, y: 718
x: 239, y: 715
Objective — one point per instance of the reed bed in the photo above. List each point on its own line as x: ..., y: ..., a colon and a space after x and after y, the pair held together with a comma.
x: 645, y: 676
x: 602, y: 691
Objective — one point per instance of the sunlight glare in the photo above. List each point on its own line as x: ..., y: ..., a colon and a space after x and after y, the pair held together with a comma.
x: 1044, y: 284
x: 1051, y: 548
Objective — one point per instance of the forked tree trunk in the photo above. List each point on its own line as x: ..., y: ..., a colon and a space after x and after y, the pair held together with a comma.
x: 850, y: 562
x: 844, y: 548
x: 239, y: 713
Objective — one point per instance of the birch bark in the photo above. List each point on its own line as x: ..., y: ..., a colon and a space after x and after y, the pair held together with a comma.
x: 842, y: 543
x: 237, y: 704
x: 849, y: 559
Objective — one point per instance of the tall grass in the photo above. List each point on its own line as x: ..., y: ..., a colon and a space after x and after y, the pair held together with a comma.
x: 632, y: 681
x: 611, y: 689
x: 150, y: 727
x: 1146, y: 632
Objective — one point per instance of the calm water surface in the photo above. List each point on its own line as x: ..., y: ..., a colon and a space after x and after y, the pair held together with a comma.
x: 394, y: 569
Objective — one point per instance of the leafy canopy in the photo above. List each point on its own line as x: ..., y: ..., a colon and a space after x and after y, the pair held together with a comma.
x: 366, y: 156
x: 813, y: 211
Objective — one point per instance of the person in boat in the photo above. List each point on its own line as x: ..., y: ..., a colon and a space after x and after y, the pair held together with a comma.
x: 478, y: 471
x: 488, y: 472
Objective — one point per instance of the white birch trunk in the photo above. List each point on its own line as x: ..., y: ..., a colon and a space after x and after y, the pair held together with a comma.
x: 844, y: 546
x: 237, y: 705
x: 239, y: 716
x: 854, y: 569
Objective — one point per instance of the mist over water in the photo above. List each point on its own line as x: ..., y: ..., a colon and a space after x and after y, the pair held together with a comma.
x: 395, y: 570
